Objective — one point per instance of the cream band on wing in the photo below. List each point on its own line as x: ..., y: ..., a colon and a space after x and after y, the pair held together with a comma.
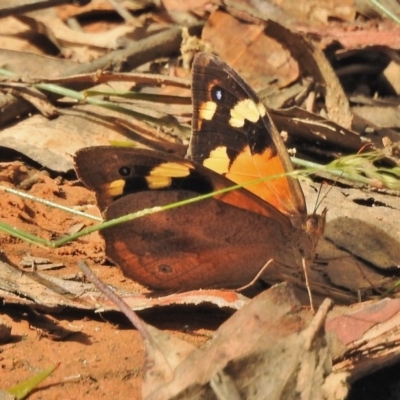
x: 246, y: 109
x: 171, y: 170
x: 207, y: 110
x: 161, y: 176
x: 115, y: 188
x: 158, y: 182
x: 218, y: 160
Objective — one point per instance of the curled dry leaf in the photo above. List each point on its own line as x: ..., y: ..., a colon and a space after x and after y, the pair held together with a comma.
x: 53, y: 294
x: 291, y: 48
x: 255, y: 354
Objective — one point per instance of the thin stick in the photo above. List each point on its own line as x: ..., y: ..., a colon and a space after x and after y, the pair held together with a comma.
x: 117, y: 300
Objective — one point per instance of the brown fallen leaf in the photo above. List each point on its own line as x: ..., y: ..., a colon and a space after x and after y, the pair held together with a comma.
x: 135, y: 54
x: 269, y: 349
x: 45, y: 292
x: 266, y: 350
x: 365, y: 337
x: 313, y: 62
x: 66, y: 39
x: 36, y: 99
x: 384, y: 34
x: 291, y: 13
x: 84, y: 125
x: 286, y: 48
x: 263, y: 351
x: 318, y: 11
x: 365, y: 224
x: 350, y: 256
x: 380, y: 116
x: 318, y: 131
x: 246, y: 51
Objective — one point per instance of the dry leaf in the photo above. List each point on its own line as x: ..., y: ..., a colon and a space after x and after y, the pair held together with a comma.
x: 262, y: 351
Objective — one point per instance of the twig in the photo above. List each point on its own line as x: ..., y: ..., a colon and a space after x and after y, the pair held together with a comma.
x: 15, y: 7
x: 117, y: 300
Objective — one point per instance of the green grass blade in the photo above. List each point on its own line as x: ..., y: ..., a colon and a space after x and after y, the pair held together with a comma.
x: 22, y: 390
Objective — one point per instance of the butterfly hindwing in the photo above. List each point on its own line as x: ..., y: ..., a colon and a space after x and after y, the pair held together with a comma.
x: 205, y: 244
x: 223, y: 241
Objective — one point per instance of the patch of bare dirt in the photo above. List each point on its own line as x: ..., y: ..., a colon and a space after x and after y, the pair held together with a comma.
x: 100, y: 355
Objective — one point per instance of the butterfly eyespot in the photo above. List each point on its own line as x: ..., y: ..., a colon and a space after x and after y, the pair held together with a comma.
x: 165, y: 269
x: 217, y: 94
x: 124, y: 171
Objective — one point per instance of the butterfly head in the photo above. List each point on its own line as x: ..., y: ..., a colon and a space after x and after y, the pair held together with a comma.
x: 314, y: 226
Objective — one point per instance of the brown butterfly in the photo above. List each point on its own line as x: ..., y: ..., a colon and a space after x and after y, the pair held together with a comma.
x: 225, y: 240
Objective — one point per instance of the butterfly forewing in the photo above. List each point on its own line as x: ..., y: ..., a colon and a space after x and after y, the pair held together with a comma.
x: 234, y: 135
x: 126, y: 171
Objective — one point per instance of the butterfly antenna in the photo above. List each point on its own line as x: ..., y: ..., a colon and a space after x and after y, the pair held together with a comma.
x: 320, y: 199
x: 318, y: 202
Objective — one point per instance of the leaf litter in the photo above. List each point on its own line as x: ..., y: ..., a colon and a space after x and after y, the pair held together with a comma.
x: 338, y: 122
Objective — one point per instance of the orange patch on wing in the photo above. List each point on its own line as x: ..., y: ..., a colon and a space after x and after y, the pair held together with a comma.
x: 239, y: 199
x: 247, y: 167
